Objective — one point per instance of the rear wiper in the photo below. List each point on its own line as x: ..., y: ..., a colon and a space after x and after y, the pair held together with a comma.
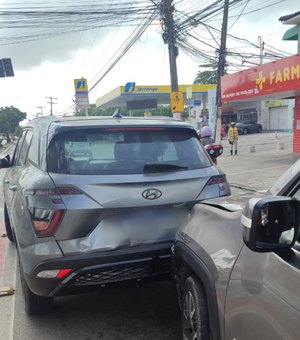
x: 162, y: 167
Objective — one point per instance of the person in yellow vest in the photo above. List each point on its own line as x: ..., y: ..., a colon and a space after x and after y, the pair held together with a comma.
x: 233, y: 137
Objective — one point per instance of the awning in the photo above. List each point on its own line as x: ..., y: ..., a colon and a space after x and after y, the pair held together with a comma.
x: 291, y: 34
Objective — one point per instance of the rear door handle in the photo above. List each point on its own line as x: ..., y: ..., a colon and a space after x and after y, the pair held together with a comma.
x: 7, y: 181
x: 12, y: 187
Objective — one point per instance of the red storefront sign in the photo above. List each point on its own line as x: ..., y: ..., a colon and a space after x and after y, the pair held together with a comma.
x: 279, y: 78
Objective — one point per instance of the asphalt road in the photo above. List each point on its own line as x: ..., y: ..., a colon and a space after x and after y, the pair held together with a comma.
x: 141, y: 312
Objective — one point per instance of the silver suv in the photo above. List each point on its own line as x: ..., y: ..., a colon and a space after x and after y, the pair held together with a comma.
x: 95, y: 201
x: 238, y: 270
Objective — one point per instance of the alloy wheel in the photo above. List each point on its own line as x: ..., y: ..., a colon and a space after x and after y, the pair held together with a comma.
x: 189, y: 317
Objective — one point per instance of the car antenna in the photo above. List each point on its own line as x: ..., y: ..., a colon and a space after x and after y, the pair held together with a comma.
x: 117, y: 114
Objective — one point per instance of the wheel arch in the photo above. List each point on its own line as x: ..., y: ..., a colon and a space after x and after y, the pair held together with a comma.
x: 186, y: 263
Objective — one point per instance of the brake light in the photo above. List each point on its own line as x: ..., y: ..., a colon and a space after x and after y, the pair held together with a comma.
x: 54, y: 273
x: 53, y: 192
x: 136, y: 129
x: 217, y: 180
x: 45, y: 222
x: 63, y: 272
x: 68, y: 191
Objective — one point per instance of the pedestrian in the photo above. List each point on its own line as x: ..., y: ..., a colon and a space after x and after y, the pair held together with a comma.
x: 206, y: 136
x: 233, y: 137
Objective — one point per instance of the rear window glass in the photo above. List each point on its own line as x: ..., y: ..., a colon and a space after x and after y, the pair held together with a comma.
x: 125, y: 151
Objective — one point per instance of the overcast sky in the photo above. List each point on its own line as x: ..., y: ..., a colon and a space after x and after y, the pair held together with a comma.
x: 46, y: 68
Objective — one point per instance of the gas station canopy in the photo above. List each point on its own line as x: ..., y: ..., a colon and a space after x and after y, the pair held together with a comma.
x: 139, y: 96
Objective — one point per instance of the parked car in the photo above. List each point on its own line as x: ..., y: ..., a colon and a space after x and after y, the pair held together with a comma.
x: 247, y: 126
x: 96, y: 201
x: 236, y: 264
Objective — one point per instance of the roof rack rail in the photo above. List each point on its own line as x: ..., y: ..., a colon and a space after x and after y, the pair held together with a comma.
x: 117, y: 114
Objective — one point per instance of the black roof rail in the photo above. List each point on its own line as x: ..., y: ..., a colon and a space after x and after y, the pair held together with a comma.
x: 117, y: 114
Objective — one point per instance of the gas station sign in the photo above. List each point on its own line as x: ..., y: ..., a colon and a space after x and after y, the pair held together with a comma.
x: 81, y: 93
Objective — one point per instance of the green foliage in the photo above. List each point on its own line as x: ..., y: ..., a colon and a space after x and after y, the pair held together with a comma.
x: 206, y: 77
x: 96, y: 111
x: 10, y: 117
x: 18, y: 131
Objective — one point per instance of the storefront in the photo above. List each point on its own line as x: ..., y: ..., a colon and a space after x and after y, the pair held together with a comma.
x: 278, y: 79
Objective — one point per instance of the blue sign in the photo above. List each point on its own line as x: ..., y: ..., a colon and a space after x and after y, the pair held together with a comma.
x: 130, y: 87
x: 195, y: 102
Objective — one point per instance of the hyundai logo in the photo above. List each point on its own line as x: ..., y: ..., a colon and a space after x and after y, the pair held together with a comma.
x: 151, y: 194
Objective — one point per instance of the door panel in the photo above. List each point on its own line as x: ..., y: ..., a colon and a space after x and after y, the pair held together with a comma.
x: 263, y: 299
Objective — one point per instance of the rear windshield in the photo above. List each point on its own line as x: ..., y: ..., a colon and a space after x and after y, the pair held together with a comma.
x: 125, y: 151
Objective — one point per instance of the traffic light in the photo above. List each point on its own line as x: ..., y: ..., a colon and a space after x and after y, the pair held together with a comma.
x: 8, y: 68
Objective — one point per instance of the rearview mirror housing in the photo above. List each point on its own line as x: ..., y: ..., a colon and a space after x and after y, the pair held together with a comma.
x: 271, y: 224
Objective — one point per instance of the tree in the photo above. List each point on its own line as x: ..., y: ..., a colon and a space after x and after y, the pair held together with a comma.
x: 10, y: 117
x: 162, y: 110
x: 206, y: 77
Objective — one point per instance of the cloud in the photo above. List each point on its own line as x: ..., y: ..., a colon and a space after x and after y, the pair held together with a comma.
x: 58, y: 48
x: 48, y: 67
x: 32, y: 54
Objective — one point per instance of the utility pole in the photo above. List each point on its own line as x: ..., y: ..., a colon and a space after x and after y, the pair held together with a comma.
x: 221, y: 69
x: 170, y: 39
x: 51, y: 104
x: 41, y: 112
x: 261, y: 45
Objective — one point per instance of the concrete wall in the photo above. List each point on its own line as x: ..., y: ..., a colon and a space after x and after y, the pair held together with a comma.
x: 296, y: 141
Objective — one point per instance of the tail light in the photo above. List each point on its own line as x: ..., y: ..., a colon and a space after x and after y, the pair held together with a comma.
x: 45, y: 221
x: 217, y: 180
x: 216, y: 186
x: 54, y: 274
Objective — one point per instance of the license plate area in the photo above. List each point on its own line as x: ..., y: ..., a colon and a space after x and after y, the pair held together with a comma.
x: 131, y: 227
x: 150, y: 225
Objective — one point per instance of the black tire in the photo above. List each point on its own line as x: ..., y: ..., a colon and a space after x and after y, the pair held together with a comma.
x: 259, y: 129
x: 34, y: 304
x: 194, y: 313
x: 9, y: 231
x: 245, y: 131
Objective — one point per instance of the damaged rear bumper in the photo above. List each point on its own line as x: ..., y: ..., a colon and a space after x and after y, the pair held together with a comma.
x: 141, y: 263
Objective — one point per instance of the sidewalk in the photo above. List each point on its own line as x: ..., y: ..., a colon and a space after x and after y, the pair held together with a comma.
x: 260, y: 169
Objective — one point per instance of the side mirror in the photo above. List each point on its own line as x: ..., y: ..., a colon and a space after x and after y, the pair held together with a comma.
x: 271, y: 223
x: 4, y: 162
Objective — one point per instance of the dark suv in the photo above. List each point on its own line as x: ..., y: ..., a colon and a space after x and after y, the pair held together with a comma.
x: 95, y: 201
x: 238, y: 270
x: 247, y: 126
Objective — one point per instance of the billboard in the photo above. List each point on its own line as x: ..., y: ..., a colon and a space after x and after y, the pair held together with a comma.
x: 281, y: 76
x: 141, y: 104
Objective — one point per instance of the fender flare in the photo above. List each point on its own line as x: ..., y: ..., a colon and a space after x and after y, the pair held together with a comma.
x: 206, y: 273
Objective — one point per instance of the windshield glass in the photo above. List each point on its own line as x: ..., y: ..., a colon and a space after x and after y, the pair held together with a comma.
x: 125, y: 151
